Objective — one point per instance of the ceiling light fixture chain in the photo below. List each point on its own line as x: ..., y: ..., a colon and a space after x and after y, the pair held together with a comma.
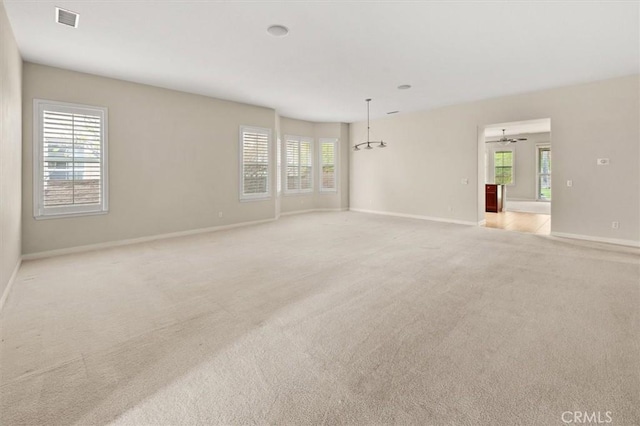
x: 381, y: 143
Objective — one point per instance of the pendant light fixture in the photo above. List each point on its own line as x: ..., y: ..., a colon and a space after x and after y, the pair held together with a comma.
x: 381, y: 144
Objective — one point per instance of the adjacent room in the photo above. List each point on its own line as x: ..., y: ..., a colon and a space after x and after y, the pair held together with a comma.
x: 300, y: 213
x: 517, y: 160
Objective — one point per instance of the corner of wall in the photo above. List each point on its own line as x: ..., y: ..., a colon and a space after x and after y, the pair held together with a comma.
x: 10, y: 157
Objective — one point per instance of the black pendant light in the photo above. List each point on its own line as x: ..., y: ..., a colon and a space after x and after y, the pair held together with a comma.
x: 381, y: 144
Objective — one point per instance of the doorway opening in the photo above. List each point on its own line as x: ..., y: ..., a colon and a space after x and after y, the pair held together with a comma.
x: 517, y: 176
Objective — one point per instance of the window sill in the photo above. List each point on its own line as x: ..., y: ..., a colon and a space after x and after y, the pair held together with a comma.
x: 294, y: 194
x: 249, y: 200
x: 70, y: 215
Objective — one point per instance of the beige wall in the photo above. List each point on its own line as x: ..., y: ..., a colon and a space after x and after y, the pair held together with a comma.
x: 10, y: 151
x: 173, y: 160
x: 326, y: 200
x: 345, y: 153
x: 525, y: 172
x: 430, y: 152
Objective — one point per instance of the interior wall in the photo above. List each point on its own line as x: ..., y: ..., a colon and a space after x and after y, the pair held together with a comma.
x: 173, y: 160
x: 345, y: 154
x: 430, y: 153
x: 525, y: 173
x: 291, y: 203
x: 10, y: 152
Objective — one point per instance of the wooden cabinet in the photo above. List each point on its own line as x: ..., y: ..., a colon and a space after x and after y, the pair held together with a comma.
x: 494, y: 197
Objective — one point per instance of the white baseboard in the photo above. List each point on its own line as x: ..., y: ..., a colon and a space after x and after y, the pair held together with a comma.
x: 413, y: 216
x: 628, y: 243
x: 7, y: 289
x: 312, y: 211
x: 482, y: 222
x: 98, y: 246
x: 109, y: 244
x: 297, y: 212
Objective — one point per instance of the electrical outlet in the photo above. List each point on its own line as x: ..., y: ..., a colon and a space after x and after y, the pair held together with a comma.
x: 615, y: 224
x: 602, y: 161
x: 465, y: 181
x: 219, y: 214
x: 569, y: 183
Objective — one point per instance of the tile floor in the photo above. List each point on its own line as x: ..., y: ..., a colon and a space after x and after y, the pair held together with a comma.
x: 531, y: 223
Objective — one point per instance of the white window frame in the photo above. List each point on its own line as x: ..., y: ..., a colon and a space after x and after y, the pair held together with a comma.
x: 336, y: 163
x: 299, y: 140
x: 39, y: 210
x: 261, y: 196
x: 539, y: 147
x: 513, y: 163
x: 279, y: 166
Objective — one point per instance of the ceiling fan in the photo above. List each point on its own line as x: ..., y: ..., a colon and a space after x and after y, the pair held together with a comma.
x: 504, y: 140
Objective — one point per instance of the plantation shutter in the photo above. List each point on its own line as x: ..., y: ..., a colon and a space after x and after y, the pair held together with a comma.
x: 255, y: 163
x: 299, y: 153
x: 328, y: 173
x: 293, y: 165
x: 306, y: 166
x: 279, y: 165
x: 69, y: 159
x: 72, y: 152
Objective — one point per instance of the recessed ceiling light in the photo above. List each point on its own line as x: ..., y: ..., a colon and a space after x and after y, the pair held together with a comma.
x: 278, y: 30
x: 393, y: 112
x: 67, y: 17
x: 404, y: 86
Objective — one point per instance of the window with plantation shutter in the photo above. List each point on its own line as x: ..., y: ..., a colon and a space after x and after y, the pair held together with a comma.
x: 254, y: 158
x: 279, y: 165
x: 299, y: 153
x: 70, y: 159
x: 328, y: 165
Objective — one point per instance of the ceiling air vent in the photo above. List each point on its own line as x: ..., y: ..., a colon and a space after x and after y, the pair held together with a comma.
x: 67, y: 17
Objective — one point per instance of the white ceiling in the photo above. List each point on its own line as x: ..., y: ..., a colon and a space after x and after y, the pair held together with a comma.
x: 337, y: 53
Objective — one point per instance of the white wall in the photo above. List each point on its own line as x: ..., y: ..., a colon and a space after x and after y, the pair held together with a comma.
x: 10, y: 152
x: 326, y: 200
x: 525, y: 172
x: 173, y: 160
x: 431, y: 151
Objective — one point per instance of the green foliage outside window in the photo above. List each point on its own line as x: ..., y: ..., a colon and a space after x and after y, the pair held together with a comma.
x: 503, y: 164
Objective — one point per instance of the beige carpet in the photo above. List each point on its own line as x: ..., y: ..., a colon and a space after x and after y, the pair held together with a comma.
x: 335, y: 318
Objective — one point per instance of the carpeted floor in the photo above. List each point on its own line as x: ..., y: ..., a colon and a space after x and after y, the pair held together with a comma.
x: 334, y: 318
